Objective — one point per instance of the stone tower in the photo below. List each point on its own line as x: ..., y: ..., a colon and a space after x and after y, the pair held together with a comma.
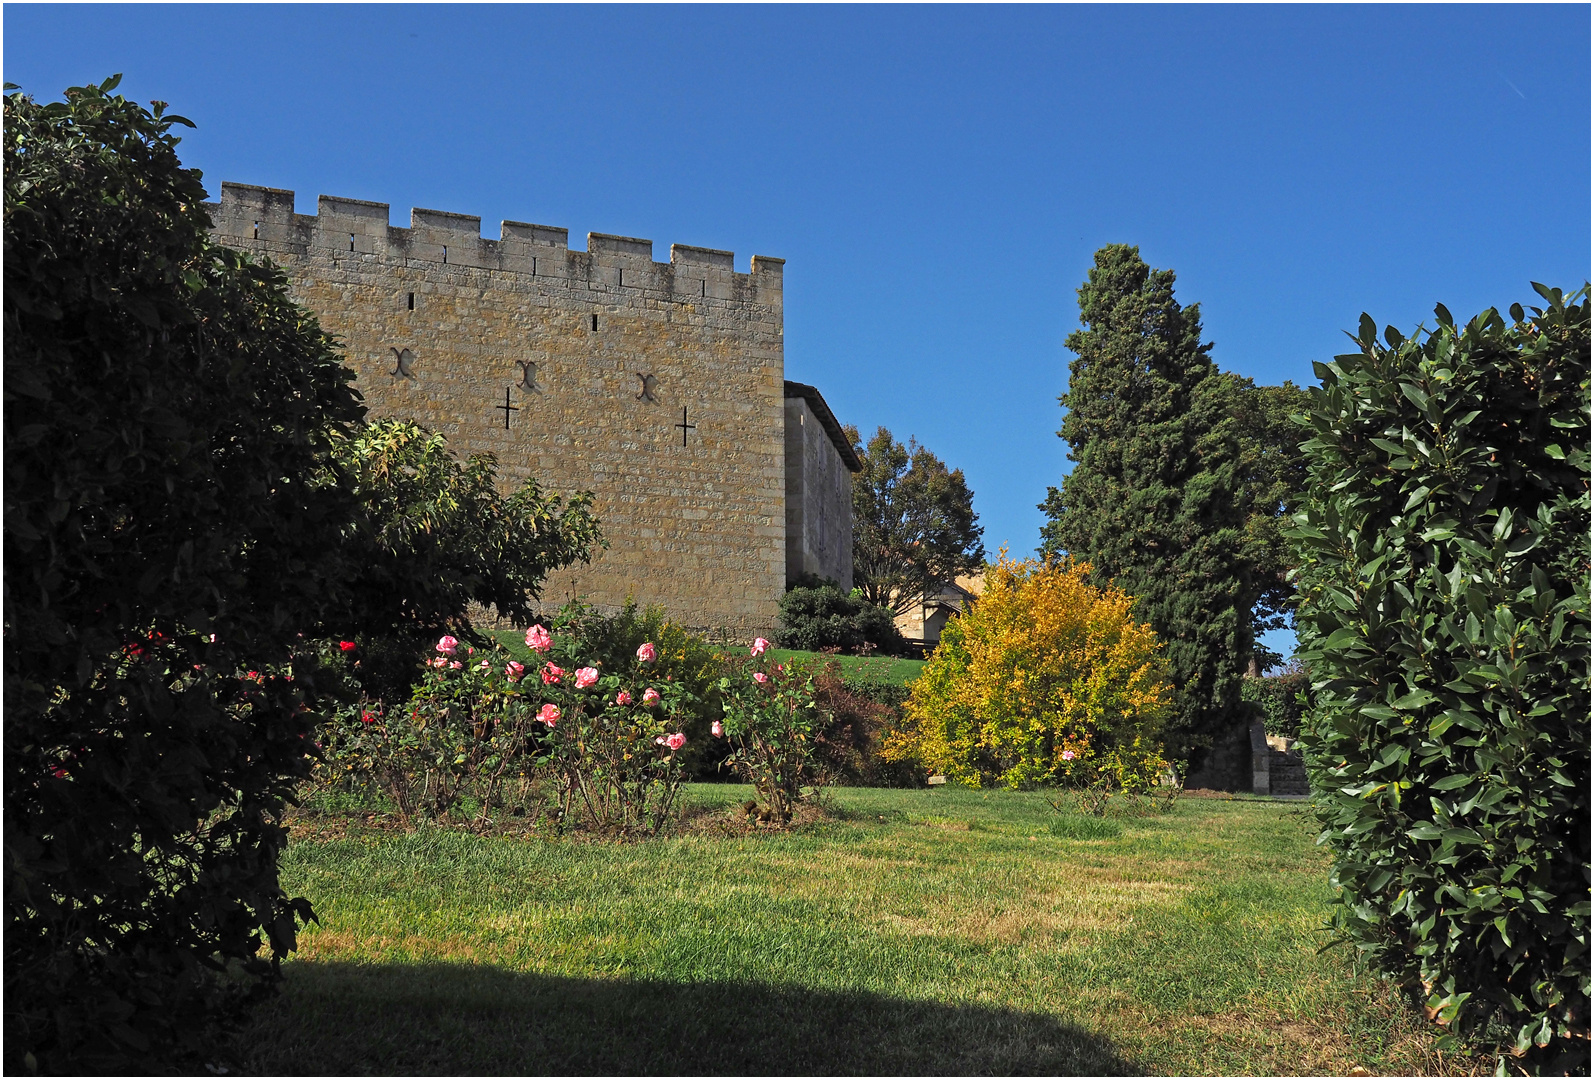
x: 657, y: 386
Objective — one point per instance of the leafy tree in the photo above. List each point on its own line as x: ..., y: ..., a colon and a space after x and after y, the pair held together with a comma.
x: 914, y: 528
x: 1156, y: 499
x: 179, y: 529
x: 432, y: 538
x: 1046, y: 679
x: 1444, y: 546
x: 434, y: 535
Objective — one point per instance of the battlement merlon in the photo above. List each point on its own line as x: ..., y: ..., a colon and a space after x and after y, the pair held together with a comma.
x: 355, y: 226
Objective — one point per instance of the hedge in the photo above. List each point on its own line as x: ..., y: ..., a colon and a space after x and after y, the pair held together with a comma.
x: 1444, y: 544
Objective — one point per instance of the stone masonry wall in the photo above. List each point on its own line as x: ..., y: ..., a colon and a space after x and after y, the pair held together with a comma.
x: 598, y: 351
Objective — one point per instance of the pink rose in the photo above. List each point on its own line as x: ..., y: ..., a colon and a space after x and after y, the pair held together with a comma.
x: 446, y: 645
x: 514, y: 669
x: 485, y: 664
x: 647, y: 653
x: 676, y: 741
x: 549, y: 714
x: 551, y: 673
x: 537, y: 639
x: 585, y: 677
x: 623, y: 698
x: 659, y: 739
x: 759, y: 645
x: 650, y: 696
x: 1068, y: 755
x: 717, y: 729
x: 760, y: 677
x: 456, y: 665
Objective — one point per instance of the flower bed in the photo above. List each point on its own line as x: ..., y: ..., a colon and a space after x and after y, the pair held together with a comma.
x: 566, y: 740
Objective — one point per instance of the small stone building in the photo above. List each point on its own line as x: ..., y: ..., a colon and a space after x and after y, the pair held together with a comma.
x: 922, y: 624
x: 660, y: 387
x: 819, y: 467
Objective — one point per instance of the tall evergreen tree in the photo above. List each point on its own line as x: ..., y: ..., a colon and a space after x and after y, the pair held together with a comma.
x: 1273, y: 474
x: 1156, y: 501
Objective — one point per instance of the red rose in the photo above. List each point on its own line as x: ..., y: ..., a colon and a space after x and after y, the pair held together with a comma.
x: 346, y: 646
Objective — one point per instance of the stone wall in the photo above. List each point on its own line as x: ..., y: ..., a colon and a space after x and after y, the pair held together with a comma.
x: 658, y: 386
x: 819, y: 468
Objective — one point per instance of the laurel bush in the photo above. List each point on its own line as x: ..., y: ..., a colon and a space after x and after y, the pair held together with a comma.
x: 1444, y: 545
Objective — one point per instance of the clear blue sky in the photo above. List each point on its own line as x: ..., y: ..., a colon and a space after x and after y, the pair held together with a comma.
x: 937, y: 178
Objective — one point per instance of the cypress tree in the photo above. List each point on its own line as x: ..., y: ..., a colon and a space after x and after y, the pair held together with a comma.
x: 1155, y: 501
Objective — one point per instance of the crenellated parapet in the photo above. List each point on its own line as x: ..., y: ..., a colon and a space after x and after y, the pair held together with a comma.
x: 657, y: 386
x: 356, y: 228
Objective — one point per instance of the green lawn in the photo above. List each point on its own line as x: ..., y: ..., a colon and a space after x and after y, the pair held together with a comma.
x: 938, y: 931
x: 877, y: 668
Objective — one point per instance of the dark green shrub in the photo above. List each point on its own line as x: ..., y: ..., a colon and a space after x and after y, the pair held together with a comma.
x: 891, y: 694
x: 1283, y: 698
x: 824, y: 617
x: 1444, y: 543
x: 172, y: 524
x: 190, y: 531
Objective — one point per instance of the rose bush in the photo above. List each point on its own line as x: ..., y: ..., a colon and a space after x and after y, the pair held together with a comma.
x: 466, y: 735
x: 581, y: 636
x: 771, y: 721
x: 616, y: 763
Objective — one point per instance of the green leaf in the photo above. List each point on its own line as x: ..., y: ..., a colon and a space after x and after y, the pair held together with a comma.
x: 1415, y: 700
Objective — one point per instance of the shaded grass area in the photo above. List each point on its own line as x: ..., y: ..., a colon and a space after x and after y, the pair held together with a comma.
x: 940, y: 931
x: 438, y: 1018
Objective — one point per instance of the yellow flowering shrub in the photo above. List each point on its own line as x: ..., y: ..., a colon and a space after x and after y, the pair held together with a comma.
x: 1045, y: 680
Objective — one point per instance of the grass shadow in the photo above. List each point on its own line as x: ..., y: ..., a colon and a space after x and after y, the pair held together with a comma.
x: 429, y: 1019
